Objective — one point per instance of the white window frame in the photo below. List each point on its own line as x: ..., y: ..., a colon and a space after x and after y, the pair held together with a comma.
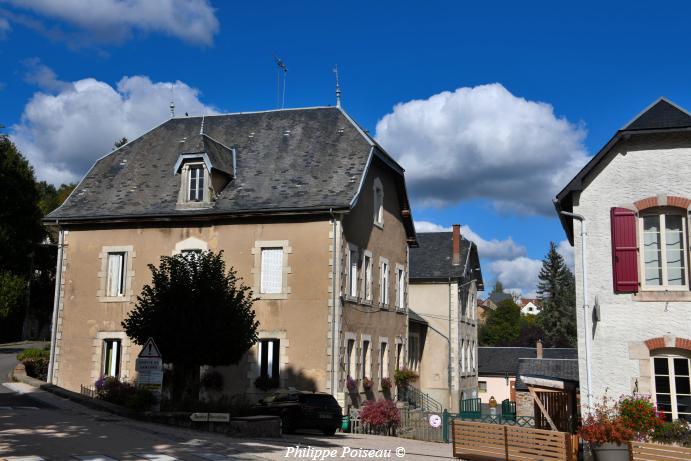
x: 479, y: 387
x: 662, y: 213
x: 271, y: 271
x: 672, y: 380
x: 383, y: 358
x: 126, y: 276
x: 378, y: 202
x: 414, y: 362
x: 353, y: 269
x: 200, y: 177
x: 351, y: 356
x: 367, y: 272
x: 117, y: 363
x: 116, y: 274
x: 400, y: 287
x: 273, y: 354
x: 260, y: 245
x: 400, y: 354
x: 365, y: 357
x: 384, y: 282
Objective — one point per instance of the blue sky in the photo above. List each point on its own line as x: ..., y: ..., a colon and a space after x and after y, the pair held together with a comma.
x: 509, y: 98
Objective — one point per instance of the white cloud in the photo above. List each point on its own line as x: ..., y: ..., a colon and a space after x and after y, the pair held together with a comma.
x: 566, y: 251
x: 115, y: 20
x: 43, y: 76
x: 64, y: 133
x: 517, y: 274
x: 427, y: 226
x: 4, y: 28
x: 483, y: 142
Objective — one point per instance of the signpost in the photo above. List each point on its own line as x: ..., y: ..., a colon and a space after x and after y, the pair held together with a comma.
x: 149, y: 367
x: 210, y: 417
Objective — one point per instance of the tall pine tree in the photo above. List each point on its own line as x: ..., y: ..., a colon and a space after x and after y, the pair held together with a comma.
x: 556, y: 290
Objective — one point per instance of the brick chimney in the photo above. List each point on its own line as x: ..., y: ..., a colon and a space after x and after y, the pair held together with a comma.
x: 456, y: 241
x: 538, y: 349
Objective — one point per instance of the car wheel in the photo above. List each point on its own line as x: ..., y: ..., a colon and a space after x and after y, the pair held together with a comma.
x: 287, y: 424
x: 330, y: 431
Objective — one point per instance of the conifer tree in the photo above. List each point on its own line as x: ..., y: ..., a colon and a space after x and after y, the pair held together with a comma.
x: 556, y: 290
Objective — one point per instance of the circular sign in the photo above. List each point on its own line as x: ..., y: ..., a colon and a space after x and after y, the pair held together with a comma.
x: 434, y: 421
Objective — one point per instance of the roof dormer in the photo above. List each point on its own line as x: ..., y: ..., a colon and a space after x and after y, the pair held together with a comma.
x: 205, y: 167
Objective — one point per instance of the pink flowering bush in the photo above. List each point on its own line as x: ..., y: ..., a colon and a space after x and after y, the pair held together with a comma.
x: 382, y: 415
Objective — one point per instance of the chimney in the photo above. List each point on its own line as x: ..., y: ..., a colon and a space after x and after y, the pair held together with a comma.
x: 456, y: 242
x: 538, y: 348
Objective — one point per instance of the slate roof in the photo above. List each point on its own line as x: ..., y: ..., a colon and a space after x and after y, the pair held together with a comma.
x: 558, y: 369
x: 415, y: 317
x: 432, y: 259
x: 498, y: 297
x: 661, y: 115
x: 293, y: 160
x: 501, y: 360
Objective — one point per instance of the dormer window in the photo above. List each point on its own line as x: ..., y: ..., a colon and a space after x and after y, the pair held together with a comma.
x: 195, y: 188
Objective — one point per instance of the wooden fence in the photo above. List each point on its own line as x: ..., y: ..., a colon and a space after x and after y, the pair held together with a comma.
x: 491, y: 441
x: 641, y: 451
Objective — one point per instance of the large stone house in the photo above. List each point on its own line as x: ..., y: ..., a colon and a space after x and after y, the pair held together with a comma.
x: 445, y: 276
x: 631, y: 228
x: 308, y: 209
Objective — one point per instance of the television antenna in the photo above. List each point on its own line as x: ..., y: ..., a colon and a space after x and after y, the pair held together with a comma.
x: 338, y: 87
x: 172, y: 100
x: 282, y: 72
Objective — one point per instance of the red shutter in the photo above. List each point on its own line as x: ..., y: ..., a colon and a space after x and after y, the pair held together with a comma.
x: 624, y: 252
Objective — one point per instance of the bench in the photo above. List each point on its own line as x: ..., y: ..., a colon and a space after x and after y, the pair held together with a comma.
x: 641, y: 451
x: 495, y: 442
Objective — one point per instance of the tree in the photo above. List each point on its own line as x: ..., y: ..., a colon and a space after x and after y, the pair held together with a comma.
x: 119, y: 143
x: 556, y: 290
x: 502, y: 327
x: 498, y: 287
x: 197, y: 313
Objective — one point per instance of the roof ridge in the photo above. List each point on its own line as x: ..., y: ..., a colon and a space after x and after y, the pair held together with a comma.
x: 650, y: 106
x: 186, y: 117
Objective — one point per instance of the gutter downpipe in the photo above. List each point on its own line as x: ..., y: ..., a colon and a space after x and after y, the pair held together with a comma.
x: 56, y: 304
x: 334, y: 302
x: 588, y: 366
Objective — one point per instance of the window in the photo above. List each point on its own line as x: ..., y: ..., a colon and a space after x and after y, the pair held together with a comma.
x: 482, y: 386
x: 350, y: 358
x: 462, y: 354
x: 269, y: 364
x: 366, y: 360
x: 111, y: 357
x: 663, y: 253
x: 414, y: 351
x: 399, y: 356
x: 191, y: 253
x: 384, y: 284
x: 384, y: 360
x: 400, y: 288
x: 672, y: 386
x: 271, y: 270
x: 367, y: 270
x: 378, y: 202
x: 115, y: 279
x: 352, y: 272
x: 195, y: 186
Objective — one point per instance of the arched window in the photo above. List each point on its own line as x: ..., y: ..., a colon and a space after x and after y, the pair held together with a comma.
x: 663, y: 248
x: 671, y: 385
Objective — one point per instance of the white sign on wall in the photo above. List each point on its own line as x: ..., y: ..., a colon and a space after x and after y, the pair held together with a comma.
x: 149, y: 367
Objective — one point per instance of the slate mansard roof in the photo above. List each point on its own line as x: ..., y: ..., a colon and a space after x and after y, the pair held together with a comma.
x: 288, y: 161
x: 432, y: 259
x: 661, y: 116
x: 500, y: 360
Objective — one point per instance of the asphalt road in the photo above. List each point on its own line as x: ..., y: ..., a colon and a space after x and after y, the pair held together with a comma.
x: 8, y: 360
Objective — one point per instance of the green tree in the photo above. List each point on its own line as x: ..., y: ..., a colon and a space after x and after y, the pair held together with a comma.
x: 197, y: 313
x: 12, y: 294
x: 556, y: 290
x: 51, y: 197
x: 498, y: 287
x: 502, y: 327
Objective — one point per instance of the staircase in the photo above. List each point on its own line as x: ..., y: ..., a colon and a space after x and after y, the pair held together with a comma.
x: 416, y: 399
x: 416, y: 407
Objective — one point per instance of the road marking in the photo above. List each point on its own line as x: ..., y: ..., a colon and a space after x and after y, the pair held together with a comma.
x: 156, y: 457
x: 95, y: 458
x: 24, y: 458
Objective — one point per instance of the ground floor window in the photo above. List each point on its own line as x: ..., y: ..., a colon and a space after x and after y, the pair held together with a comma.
x: 414, y: 351
x: 482, y: 386
x: 269, y: 350
x: 366, y: 360
x: 112, y: 351
x: 350, y: 359
x: 399, y: 356
x: 672, y: 384
x: 384, y: 360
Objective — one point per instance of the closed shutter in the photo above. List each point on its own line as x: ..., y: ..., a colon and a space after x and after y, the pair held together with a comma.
x: 624, y: 251
x: 272, y: 270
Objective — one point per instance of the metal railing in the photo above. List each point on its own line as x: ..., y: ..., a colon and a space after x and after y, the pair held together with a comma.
x: 418, y: 399
x: 88, y: 391
x: 506, y: 420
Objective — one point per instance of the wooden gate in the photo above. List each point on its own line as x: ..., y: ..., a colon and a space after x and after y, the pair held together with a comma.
x: 557, y: 406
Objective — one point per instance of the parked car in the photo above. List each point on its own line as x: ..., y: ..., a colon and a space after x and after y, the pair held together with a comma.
x: 302, y: 410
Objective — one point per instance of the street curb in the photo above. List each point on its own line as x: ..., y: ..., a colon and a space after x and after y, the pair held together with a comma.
x: 19, y: 374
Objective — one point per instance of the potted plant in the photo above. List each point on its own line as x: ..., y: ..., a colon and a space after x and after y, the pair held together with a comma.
x: 367, y: 383
x: 404, y: 376
x: 640, y: 415
x: 607, y: 432
x: 382, y: 416
x: 676, y: 433
x: 386, y: 384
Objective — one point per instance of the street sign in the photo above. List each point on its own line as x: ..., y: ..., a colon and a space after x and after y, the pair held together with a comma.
x: 150, y: 350
x: 434, y: 421
x: 199, y: 417
x: 149, y: 367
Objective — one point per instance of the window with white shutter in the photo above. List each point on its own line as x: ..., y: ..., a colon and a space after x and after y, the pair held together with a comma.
x: 384, y: 284
x: 111, y: 357
x: 352, y: 272
x: 272, y: 270
x: 115, y: 280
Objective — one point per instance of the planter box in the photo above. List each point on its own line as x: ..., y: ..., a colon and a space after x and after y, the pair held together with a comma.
x: 610, y: 452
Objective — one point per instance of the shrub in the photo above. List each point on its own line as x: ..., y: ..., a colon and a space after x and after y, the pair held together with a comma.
x: 604, y: 424
x: 367, y: 383
x: 140, y: 400
x: 404, y: 376
x: 382, y: 415
x: 35, y: 362
x: 640, y: 415
x: 674, y: 433
x: 351, y: 384
x: 212, y: 380
x: 112, y: 390
x: 386, y: 384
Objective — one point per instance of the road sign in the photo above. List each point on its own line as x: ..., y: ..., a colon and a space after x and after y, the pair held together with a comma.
x: 434, y: 421
x: 149, y: 367
x: 150, y: 350
x: 199, y: 417
x: 210, y: 417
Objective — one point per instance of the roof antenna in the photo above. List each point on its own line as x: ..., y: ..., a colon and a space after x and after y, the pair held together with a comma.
x: 172, y: 100
x: 281, y: 67
x: 201, y: 128
x: 338, y: 87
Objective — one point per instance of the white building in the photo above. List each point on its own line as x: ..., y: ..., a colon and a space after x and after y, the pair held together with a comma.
x: 634, y: 197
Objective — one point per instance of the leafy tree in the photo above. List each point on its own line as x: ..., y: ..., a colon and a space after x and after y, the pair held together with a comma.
x: 119, y: 143
x: 529, y: 331
x: 556, y: 290
x: 12, y: 294
x: 498, y: 287
x: 502, y: 327
x: 51, y: 197
x: 197, y: 313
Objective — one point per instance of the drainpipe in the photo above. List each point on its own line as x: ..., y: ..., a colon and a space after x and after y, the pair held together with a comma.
x: 334, y: 310
x: 56, y: 304
x: 588, y: 367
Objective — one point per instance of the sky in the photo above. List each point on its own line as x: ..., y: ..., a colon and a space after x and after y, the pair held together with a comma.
x: 491, y: 107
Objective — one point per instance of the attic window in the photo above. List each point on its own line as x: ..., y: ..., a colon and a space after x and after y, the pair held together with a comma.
x: 195, y: 188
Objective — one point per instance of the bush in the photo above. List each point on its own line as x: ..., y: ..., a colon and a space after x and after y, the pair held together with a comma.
x: 386, y: 384
x: 351, y: 384
x: 604, y: 425
x: 112, y: 390
x: 35, y: 362
x: 673, y: 433
x: 382, y: 415
x: 212, y: 380
x: 404, y: 376
x: 140, y: 400
x: 640, y: 415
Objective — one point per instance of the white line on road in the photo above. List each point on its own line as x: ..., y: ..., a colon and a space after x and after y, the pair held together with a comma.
x: 24, y: 458
x: 156, y: 457
x: 95, y: 458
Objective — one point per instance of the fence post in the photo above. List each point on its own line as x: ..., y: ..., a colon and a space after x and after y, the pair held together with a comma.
x: 445, y: 425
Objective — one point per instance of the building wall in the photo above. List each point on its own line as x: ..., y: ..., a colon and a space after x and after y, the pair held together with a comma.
x: 497, y: 387
x: 632, y: 171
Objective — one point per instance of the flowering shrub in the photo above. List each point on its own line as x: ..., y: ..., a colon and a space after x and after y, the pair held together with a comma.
x: 604, y: 424
x: 674, y: 433
x: 367, y: 383
x: 351, y: 384
x: 386, y: 384
x: 382, y: 415
x: 640, y: 415
x: 404, y: 376
x: 112, y: 390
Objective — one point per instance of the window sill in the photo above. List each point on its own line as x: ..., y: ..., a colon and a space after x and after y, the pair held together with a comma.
x: 193, y: 205
x: 114, y: 299
x: 661, y: 296
x: 273, y: 295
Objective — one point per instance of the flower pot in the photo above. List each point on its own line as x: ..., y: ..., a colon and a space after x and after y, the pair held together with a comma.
x: 610, y: 451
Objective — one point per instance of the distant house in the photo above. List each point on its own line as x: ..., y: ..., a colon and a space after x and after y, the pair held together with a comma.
x: 445, y: 276
x: 631, y: 203
x: 530, y: 306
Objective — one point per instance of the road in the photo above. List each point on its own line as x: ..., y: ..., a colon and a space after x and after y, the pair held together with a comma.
x: 36, y: 425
